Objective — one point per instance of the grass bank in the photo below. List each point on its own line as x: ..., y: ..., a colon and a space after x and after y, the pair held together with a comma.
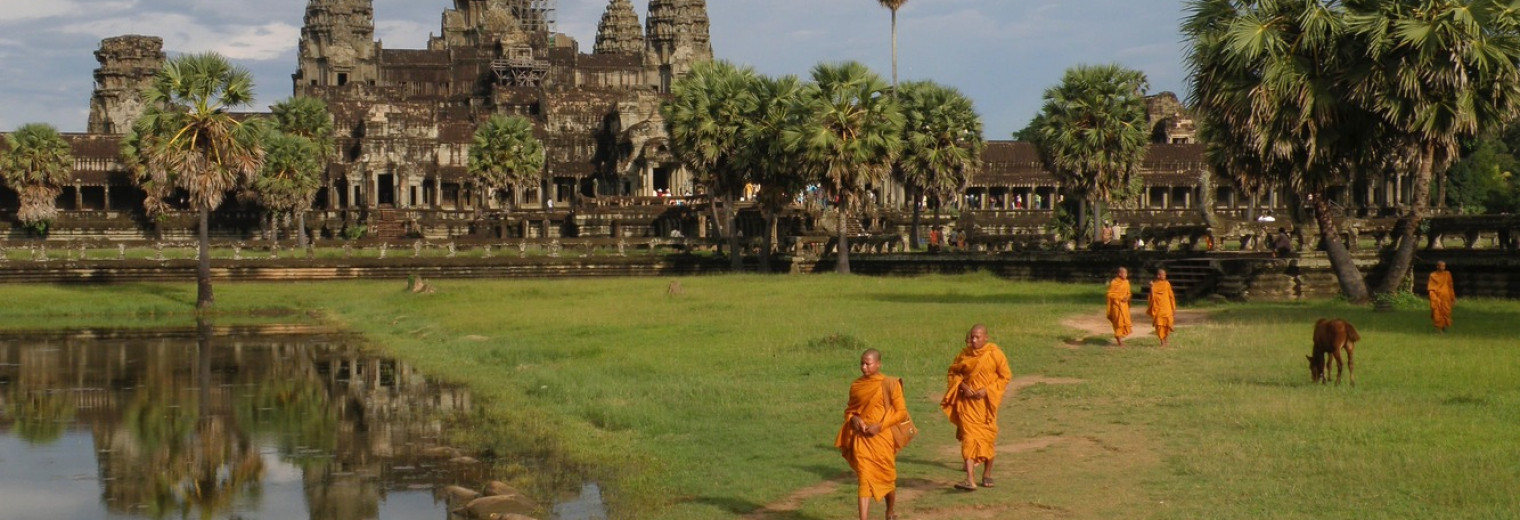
x: 724, y: 400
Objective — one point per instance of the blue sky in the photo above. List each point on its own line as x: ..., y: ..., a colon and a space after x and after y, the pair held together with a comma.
x: 1002, y: 53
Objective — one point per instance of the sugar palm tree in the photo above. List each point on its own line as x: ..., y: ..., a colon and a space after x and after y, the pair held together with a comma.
x: 894, y: 5
x: 186, y: 138
x: 1440, y: 71
x: 777, y: 168
x: 705, y: 117
x: 853, y: 137
x: 1092, y: 132
x: 505, y: 153
x: 941, y: 144
x: 290, y: 177
x: 307, y: 117
x: 36, y: 164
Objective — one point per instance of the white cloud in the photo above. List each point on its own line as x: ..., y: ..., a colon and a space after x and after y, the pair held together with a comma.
x: 184, y: 34
x: 403, y: 34
x: 27, y: 10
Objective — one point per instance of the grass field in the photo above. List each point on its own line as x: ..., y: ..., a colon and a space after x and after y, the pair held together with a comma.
x: 724, y: 401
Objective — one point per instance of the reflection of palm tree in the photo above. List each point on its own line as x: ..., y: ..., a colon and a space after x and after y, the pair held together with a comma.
x: 42, y: 415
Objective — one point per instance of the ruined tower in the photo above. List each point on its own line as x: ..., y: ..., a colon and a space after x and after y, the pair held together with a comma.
x: 127, y: 65
x: 678, y: 36
x: 486, y: 23
x: 337, y: 44
x: 619, y: 32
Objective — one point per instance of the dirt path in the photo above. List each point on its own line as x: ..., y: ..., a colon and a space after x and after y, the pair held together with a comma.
x: 1111, y: 453
x: 1094, y: 329
x: 908, y: 489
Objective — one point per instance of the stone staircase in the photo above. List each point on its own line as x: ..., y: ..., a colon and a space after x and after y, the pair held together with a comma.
x: 1191, y: 278
x: 385, y: 226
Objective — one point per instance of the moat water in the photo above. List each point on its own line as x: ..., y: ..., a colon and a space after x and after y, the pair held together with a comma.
x: 251, y: 423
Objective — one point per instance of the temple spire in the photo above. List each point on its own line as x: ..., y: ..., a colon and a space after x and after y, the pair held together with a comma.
x: 619, y: 32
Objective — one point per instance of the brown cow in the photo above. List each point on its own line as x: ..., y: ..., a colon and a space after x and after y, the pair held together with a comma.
x: 1330, y: 338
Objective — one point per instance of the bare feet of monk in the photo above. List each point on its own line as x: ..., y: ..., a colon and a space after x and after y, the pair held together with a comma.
x: 966, y: 486
x: 987, y: 482
x: 1119, y: 340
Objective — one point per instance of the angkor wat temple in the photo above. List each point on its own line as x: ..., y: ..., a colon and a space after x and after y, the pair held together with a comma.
x: 405, y: 118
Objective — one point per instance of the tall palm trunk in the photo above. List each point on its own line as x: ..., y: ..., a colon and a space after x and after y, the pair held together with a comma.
x: 894, y: 50
x: 203, y: 297
x: 301, y: 229
x: 1403, y: 256
x: 918, y: 211
x: 842, y: 260
x: 1081, y: 230
x: 768, y: 241
x: 1352, y: 283
x: 730, y: 217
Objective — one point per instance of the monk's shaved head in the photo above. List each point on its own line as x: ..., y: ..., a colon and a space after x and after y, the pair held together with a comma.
x: 979, y: 327
x: 871, y: 353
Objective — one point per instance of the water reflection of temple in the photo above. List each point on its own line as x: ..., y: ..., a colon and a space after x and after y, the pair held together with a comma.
x: 178, y: 426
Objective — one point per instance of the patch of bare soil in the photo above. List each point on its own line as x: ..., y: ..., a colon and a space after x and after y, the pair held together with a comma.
x: 1094, y: 329
x: 795, y: 500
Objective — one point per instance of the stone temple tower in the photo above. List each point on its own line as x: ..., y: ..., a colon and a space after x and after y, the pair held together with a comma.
x: 127, y: 66
x: 678, y: 36
x: 619, y: 32
x: 337, y: 44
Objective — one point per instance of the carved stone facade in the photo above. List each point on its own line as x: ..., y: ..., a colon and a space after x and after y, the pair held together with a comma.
x: 127, y: 65
x: 678, y: 35
x: 405, y: 136
x: 619, y: 32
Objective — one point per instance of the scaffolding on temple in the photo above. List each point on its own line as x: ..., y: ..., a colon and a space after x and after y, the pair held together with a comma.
x: 536, y: 15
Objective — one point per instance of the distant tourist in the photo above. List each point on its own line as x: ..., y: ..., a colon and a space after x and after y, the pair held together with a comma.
x: 865, y: 440
x: 1282, y: 244
x: 1162, y: 307
x: 1107, y: 235
x: 977, y: 378
x: 1443, y: 296
x: 1118, y: 305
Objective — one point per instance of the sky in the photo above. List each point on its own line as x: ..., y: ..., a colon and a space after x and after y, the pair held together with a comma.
x: 1002, y: 53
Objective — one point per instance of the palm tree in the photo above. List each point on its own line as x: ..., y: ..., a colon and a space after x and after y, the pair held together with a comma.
x: 894, y: 5
x: 1092, y: 132
x: 186, y: 138
x: 704, y: 117
x: 853, y: 137
x: 36, y: 164
x: 1441, y: 71
x: 778, y: 169
x: 505, y: 153
x: 290, y: 178
x: 942, y: 142
x: 307, y: 117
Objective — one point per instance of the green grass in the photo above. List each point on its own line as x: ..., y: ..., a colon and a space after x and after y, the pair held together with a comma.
x: 726, y: 398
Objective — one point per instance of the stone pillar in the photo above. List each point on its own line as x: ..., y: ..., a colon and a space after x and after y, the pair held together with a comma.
x: 78, y: 197
x: 108, y: 198
x: 1166, y: 198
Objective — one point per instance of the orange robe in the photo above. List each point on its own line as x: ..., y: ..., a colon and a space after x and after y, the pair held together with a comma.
x: 1443, y: 296
x: 976, y: 419
x: 873, y: 458
x: 1118, y: 307
x: 1162, y: 308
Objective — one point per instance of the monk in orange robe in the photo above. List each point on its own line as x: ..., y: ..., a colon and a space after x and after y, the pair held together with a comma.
x: 1118, y: 305
x: 1162, y: 307
x: 1443, y: 296
x: 977, y: 379
x: 865, y: 440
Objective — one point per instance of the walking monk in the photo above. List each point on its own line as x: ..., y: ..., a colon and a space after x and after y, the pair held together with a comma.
x: 1443, y: 296
x: 977, y: 379
x: 1162, y: 307
x: 1118, y: 305
x: 865, y: 440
